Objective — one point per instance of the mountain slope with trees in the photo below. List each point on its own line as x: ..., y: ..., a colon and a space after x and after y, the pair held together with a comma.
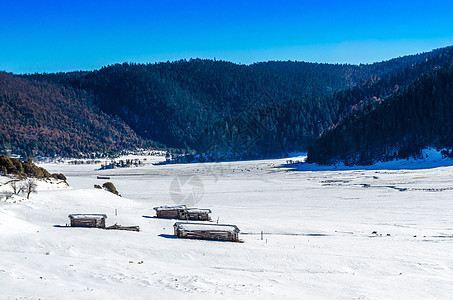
x: 188, y: 104
x: 48, y: 119
x: 416, y: 117
x: 279, y: 128
x: 224, y: 110
x: 173, y: 102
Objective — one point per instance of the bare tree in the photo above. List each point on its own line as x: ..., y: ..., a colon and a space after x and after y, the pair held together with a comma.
x: 16, y: 185
x: 7, y: 195
x: 29, y: 186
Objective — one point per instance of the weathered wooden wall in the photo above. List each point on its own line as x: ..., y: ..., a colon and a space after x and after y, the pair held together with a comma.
x: 168, y: 214
x: 92, y: 223
x: 208, y: 235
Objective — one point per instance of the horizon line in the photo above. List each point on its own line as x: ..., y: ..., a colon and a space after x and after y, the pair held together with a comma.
x: 223, y: 60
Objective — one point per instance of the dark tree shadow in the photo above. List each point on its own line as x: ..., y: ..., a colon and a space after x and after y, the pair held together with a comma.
x: 171, y: 236
x: 154, y: 217
x: 168, y: 236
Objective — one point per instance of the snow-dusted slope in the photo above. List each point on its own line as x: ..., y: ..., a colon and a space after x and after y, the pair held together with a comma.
x: 318, y: 237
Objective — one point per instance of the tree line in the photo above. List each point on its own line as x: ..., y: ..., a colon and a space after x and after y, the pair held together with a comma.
x: 223, y: 110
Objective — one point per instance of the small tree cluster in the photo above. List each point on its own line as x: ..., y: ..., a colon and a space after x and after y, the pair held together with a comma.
x: 108, y: 186
x: 24, y: 169
x: 26, y: 187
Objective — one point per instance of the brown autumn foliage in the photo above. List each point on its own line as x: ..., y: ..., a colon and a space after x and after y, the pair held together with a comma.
x: 38, y: 117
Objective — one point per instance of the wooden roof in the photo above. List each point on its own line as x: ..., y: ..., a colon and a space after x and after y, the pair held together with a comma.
x: 199, y: 211
x: 206, y: 227
x: 87, y: 216
x: 162, y: 208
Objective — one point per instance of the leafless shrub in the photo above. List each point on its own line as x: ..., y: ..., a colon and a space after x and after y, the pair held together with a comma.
x: 17, y: 186
x: 29, y: 186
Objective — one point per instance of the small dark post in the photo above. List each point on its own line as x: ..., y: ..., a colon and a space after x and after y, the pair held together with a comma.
x: 261, y: 235
x: 116, y: 212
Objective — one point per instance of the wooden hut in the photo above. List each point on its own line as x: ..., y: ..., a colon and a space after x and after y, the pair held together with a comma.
x: 183, y: 213
x: 199, y: 214
x: 170, y: 212
x: 218, y: 232
x: 87, y: 220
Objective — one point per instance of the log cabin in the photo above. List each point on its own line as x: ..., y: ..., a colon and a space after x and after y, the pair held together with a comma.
x: 217, y: 232
x: 170, y: 212
x: 183, y: 213
x: 87, y: 220
x: 200, y: 214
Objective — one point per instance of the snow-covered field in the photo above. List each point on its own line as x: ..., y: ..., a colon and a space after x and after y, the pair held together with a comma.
x: 333, y: 234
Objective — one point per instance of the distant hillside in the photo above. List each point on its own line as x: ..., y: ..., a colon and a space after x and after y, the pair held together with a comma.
x: 229, y: 111
x: 47, y: 119
x: 293, y: 125
x: 414, y: 118
x: 173, y: 103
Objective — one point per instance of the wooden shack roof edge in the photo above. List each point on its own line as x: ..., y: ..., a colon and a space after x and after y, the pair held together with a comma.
x: 199, y: 210
x: 206, y: 227
x: 87, y: 216
x: 163, y: 208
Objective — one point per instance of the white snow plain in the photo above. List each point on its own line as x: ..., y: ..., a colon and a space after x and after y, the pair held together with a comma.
x: 331, y: 234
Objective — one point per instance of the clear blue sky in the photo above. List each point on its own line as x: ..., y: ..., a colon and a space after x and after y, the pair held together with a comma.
x: 42, y: 35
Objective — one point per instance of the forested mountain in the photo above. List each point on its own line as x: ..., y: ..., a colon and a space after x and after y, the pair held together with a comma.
x: 228, y: 111
x: 47, y: 118
x: 195, y: 103
x: 279, y: 128
x: 173, y: 102
x: 412, y: 119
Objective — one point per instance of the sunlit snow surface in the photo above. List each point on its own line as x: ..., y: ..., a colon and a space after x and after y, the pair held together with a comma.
x: 318, y: 239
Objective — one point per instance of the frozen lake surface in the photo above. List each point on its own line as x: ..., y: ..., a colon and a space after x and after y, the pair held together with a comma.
x: 343, y: 234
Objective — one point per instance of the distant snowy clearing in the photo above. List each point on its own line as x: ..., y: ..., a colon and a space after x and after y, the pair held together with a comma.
x: 327, y: 234
x: 431, y: 158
